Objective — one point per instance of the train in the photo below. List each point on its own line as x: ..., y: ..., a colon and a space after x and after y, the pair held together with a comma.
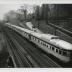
x: 49, y: 43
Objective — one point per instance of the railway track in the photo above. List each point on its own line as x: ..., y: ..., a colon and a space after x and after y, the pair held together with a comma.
x: 20, y: 59
x: 27, y: 54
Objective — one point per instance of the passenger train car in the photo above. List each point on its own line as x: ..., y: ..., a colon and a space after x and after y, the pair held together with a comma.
x: 47, y: 42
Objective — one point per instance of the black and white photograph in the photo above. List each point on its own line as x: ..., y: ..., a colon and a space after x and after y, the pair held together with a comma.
x: 35, y: 34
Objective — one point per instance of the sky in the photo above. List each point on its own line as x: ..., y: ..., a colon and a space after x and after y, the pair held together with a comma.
x: 7, y: 5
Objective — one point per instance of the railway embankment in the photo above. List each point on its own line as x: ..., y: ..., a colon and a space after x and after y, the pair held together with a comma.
x: 3, y: 50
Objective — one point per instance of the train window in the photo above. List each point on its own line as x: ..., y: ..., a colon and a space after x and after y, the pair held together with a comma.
x: 60, y: 52
x: 33, y: 38
x: 52, y: 48
x: 25, y: 33
x: 43, y: 43
x: 57, y: 50
x: 64, y: 53
x: 40, y: 41
x: 36, y: 39
x: 46, y: 45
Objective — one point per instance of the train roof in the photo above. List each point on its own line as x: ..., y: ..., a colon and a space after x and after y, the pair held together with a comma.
x: 44, y: 36
x: 36, y: 34
x: 49, y: 36
x: 23, y: 29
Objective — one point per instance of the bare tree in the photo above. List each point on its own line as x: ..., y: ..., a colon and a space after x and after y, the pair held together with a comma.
x: 24, y: 11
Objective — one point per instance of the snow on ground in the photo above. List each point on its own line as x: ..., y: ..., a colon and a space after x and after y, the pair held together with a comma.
x: 30, y: 25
